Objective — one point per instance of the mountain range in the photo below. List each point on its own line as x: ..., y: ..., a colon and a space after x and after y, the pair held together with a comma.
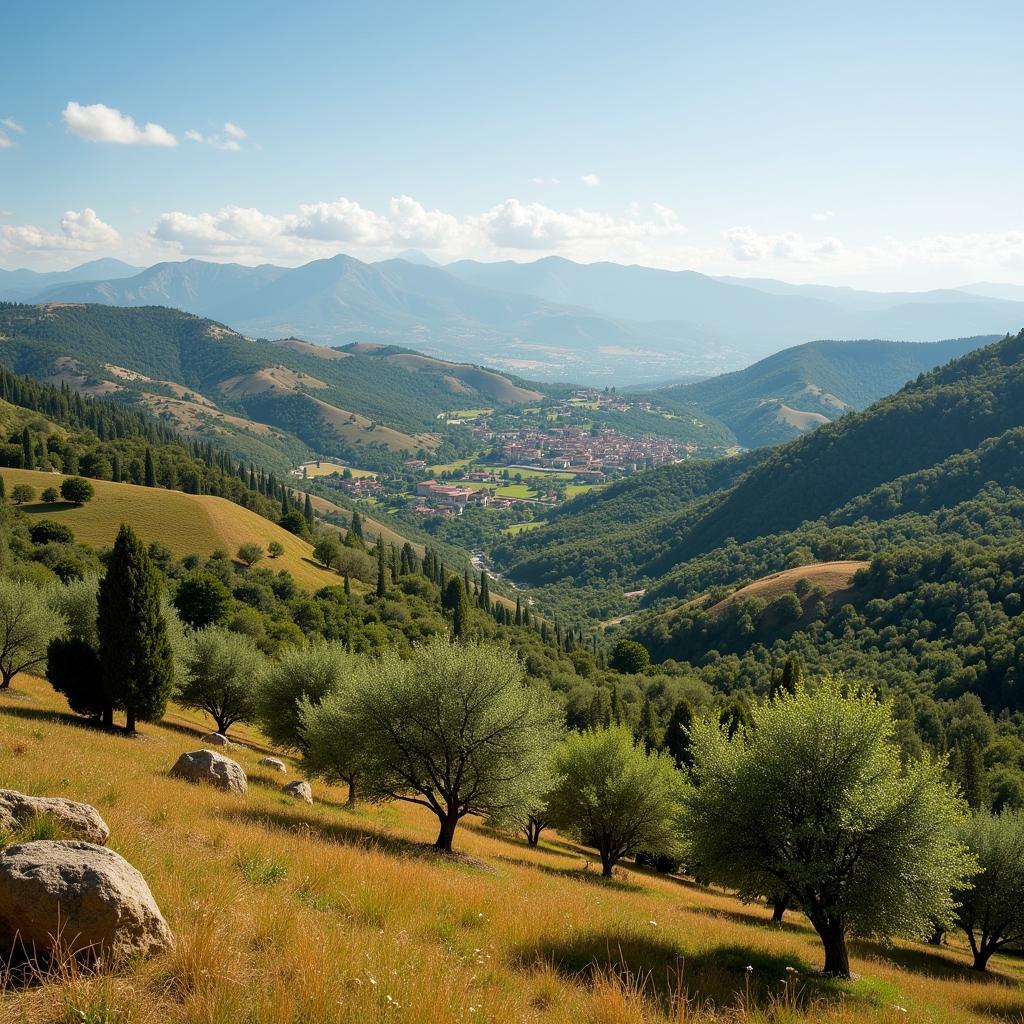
x: 551, y: 319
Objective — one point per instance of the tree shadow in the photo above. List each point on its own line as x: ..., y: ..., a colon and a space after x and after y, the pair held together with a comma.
x: 58, y: 717
x: 42, y: 507
x: 934, y: 963
x: 750, y: 919
x: 349, y: 834
x: 1008, y: 1011
x: 513, y: 840
x: 580, y: 874
x: 666, y: 974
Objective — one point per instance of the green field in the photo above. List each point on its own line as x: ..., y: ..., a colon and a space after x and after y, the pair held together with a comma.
x: 521, y: 528
x: 573, y: 489
x: 326, y: 468
x: 469, y: 414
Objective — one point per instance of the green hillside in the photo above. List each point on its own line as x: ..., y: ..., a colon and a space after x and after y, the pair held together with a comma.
x: 800, y: 388
x: 844, y: 491
x: 269, y: 402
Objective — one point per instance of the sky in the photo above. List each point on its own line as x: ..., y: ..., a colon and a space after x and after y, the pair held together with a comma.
x: 872, y: 144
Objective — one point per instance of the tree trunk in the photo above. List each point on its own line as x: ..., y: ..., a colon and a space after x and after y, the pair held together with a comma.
x: 533, y: 831
x: 833, y: 938
x: 938, y: 936
x: 351, y: 780
x: 607, y: 864
x: 780, y: 904
x: 447, y: 833
x: 5, y: 681
x: 981, y: 956
x: 129, y: 722
x: 108, y: 717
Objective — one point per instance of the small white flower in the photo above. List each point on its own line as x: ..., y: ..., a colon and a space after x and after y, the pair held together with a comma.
x: 750, y: 969
x: 653, y: 924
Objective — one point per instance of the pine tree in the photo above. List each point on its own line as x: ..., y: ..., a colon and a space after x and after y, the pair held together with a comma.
x: 647, y: 731
x: 970, y: 774
x: 150, y: 477
x: 134, y: 647
x: 677, y: 735
x: 115, y: 468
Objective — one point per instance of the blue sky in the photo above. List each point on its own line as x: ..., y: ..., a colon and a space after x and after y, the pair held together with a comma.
x: 878, y: 144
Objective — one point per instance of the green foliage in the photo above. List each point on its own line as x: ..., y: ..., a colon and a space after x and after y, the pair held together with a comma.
x: 454, y: 728
x: 134, y: 646
x: 22, y: 494
x: 814, y: 802
x: 250, y: 553
x: 47, y: 531
x: 275, y: 549
x: 614, y: 795
x: 301, y: 677
x: 223, y: 674
x: 29, y: 620
x: 991, y: 908
x: 77, y: 490
x: 327, y: 550
x: 629, y: 657
x: 202, y: 599
x: 74, y: 670
x: 294, y: 522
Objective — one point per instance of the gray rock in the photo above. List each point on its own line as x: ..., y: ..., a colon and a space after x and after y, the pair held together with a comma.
x: 216, y: 739
x: 275, y: 763
x: 84, y: 897
x: 300, y: 789
x: 211, y: 768
x: 78, y: 821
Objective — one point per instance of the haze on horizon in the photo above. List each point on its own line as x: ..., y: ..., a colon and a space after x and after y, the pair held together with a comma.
x: 874, y: 147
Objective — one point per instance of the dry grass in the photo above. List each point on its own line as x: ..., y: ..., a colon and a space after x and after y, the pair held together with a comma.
x: 186, y: 523
x: 286, y: 914
x: 835, y: 578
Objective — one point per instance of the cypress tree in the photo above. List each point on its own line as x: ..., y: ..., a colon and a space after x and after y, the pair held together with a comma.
x: 307, y: 511
x: 3, y: 489
x: 150, y: 477
x: 134, y: 648
x: 356, y: 526
x: 394, y: 563
x: 485, y: 591
x: 519, y: 611
x: 382, y: 583
x: 348, y: 584
x: 115, y: 468
x: 28, y: 455
x: 677, y: 734
x: 456, y: 604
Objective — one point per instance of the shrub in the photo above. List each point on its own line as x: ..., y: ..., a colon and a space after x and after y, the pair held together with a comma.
x: 77, y: 490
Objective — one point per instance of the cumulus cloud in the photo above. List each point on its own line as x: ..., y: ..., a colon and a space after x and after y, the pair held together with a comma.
x: 230, y: 138
x: 590, y: 179
x: 749, y: 246
x: 517, y: 225
x: 8, y: 124
x: 79, y: 231
x: 99, y: 123
x: 12, y: 125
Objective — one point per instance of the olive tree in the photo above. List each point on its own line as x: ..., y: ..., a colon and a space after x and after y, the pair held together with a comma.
x: 302, y: 675
x: 813, y: 804
x: 29, y: 620
x: 991, y: 910
x: 456, y: 728
x: 614, y: 795
x: 222, y: 673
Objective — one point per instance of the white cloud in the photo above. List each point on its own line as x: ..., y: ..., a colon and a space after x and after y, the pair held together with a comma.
x: 545, y: 181
x: 79, y: 231
x: 10, y: 123
x: 340, y: 221
x: 230, y: 138
x: 590, y: 179
x: 5, y: 142
x: 749, y: 246
x: 100, y: 123
x: 516, y: 225
x: 822, y: 215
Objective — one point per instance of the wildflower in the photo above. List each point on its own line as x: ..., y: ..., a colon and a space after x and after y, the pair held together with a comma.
x: 750, y: 969
x: 653, y: 924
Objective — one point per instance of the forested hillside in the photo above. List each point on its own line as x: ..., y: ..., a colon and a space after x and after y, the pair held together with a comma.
x: 800, y: 388
x: 272, y: 402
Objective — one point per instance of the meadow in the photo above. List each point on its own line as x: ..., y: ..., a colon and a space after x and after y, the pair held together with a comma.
x: 289, y: 914
x: 185, y: 523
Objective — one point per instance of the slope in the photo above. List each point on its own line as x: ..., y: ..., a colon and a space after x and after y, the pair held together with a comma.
x: 286, y: 912
x: 186, y: 523
x: 797, y: 389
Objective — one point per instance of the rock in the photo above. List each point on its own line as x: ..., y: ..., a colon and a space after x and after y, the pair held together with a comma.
x: 275, y: 763
x: 78, y: 821
x: 92, y: 896
x: 216, y: 739
x: 299, y: 789
x: 211, y: 768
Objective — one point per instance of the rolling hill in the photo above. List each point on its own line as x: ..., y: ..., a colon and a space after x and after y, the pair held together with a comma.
x: 800, y: 388
x: 270, y: 402
x: 185, y: 523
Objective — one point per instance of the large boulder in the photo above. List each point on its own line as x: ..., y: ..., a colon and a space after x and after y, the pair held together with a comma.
x: 82, y: 897
x: 216, y: 739
x: 300, y: 789
x: 77, y: 821
x: 212, y: 768
x: 274, y: 762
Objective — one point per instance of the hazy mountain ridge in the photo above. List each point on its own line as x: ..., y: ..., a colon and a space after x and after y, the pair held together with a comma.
x: 550, y: 319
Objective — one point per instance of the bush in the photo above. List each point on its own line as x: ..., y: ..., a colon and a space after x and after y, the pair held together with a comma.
x: 202, y: 599
x: 47, y: 531
x: 22, y: 494
x: 50, y: 495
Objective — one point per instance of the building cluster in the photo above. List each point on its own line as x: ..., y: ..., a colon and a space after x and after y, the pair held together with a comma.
x: 447, y: 499
x: 589, y: 455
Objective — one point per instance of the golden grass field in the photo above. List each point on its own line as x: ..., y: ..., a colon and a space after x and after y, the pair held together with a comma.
x: 186, y: 523
x: 833, y: 577
x: 286, y: 914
